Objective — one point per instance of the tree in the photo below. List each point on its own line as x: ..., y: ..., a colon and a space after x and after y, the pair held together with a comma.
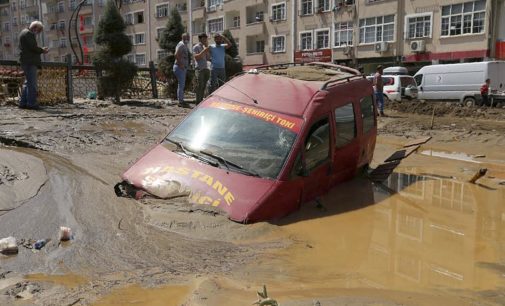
x: 114, y: 44
x: 168, y: 40
x: 232, y: 61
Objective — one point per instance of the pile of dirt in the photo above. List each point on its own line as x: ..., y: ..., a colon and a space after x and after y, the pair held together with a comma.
x: 306, y: 73
x: 440, y: 109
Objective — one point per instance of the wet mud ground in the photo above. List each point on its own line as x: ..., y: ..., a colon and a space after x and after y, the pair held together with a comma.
x: 423, y: 237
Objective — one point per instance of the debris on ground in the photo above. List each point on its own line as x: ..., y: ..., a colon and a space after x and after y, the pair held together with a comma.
x: 39, y: 244
x: 264, y: 300
x: 478, y: 175
x: 65, y: 233
x: 8, y: 246
x: 23, y: 290
x: 418, y: 141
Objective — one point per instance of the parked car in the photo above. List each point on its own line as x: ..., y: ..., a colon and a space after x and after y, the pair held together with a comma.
x: 398, y: 87
x: 459, y: 82
x: 263, y: 143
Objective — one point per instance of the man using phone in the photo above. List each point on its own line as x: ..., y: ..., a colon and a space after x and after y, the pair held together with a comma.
x: 217, y: 55
x: 29, y: 58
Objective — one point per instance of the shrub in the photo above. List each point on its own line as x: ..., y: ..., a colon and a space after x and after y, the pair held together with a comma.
x: 118, y: 73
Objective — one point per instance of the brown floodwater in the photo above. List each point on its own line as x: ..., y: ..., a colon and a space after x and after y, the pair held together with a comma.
x: 67, y: 280
x: 136, y: 295
x: 425, y: 231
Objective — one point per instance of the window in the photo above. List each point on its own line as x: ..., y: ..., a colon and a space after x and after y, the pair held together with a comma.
x: 130, y: 58
x: 236, y: 22
x: 7, y: 27
x: 323, y: 5
x: 367, y: 113
x: 61, y: 25
x: 215, y: 2
x: 278, y: 44
x: 63, y: 42
x: 322, y: 39
x: 317, y: 144
x: 279, y: 12
x: 419, y: 79
x: 345, y: 124
x: 162, y: 54
x: 128, y: 18
x: 215, y: 25
x: 100, y: 2
x: 140, y: 38
x: 307, y: 7
x: 131, y: 38
x: 259, y: 16
x: 159, y: 31
x: 377, y: 29
x: 260, y: 46
x: 306, y: 40
x: 343, y: 34
x: 162, y: 10
x: 88, y: 21
x: 72, y: 4
x: 463, y: 18
x: 138, y: 17
x: 419, y: 26
x: 61, y: 7
x: 140, y: 59
x: 54, y: 43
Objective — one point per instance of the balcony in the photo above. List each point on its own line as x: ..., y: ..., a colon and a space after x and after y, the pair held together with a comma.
x: 199, y: 12
x: 256, y: 28
x: 256, y: 58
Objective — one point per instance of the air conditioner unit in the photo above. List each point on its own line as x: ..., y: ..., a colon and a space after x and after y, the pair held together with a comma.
x: 417, y: 46
x: 381, y: 46
x: 221, y: 7
x: 347, y: 50
x: 212, y: 8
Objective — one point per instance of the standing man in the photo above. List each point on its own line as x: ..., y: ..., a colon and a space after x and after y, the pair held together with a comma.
x: 29, y: 58
x: 202, y: 55
x: 217, y: 55
x: 378, y: 86
x: 484, y: 92
x: 180, y: 68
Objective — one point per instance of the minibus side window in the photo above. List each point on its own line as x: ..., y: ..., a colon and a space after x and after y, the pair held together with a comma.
x: 367, y: 113
x: 345, y: 123
x: 317, y: 144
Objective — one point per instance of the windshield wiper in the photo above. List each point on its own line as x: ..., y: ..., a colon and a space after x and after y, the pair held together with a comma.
x: 191, y: 153
x: 228, y: 163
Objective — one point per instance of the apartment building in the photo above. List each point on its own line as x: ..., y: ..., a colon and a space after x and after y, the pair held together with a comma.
x: 350, y: 32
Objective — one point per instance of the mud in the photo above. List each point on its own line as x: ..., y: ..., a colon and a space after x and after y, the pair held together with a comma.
x: 424, y: 237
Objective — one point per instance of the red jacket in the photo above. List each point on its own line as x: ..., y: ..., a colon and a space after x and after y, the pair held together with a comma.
x: 484, y: 90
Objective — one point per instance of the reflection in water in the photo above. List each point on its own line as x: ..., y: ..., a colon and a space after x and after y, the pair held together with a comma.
x: 416, y: 233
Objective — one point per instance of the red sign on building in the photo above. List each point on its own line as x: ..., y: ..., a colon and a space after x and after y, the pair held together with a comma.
x: 323, y: 55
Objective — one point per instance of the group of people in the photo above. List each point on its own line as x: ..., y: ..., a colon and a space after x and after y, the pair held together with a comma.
x: 30, y: 61
x: 202, y: 53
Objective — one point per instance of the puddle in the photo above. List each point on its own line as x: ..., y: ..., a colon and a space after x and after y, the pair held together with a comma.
x: 417, y: 233
x: 67, y: 280
x: 136, y: 295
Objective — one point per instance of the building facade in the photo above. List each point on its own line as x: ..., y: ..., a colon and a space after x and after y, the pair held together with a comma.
x: 350, y: 32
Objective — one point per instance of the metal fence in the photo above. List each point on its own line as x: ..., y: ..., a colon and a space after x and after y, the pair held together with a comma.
x: 62, y: 82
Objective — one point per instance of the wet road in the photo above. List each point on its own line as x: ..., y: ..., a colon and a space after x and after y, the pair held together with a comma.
x: 424, y: 237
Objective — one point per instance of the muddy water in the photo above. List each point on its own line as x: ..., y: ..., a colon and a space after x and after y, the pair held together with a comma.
x: 440, y: 240
x: 136, y: 295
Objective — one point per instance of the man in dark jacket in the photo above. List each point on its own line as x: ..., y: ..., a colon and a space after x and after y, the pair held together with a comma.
x: 29, y: 59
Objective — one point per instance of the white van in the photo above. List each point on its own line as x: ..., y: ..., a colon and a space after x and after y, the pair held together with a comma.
x: 458, y: 81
